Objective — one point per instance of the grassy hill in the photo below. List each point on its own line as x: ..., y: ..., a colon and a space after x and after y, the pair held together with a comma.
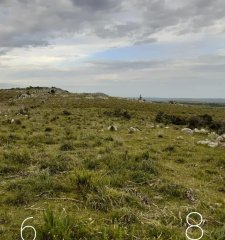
x: 61, y: 165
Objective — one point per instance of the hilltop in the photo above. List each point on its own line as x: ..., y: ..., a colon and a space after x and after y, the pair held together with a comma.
x: 91, y: 166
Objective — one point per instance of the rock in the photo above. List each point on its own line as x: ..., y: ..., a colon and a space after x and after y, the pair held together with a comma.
x: 133, y: 129
x: 202, y: 130
x: 180, y: 138
x: 187, y: 131
x: 190, y: 195
x: 213, y: 144
x: 204, y: 142
x: 112, y: 128
x: 220, y: 139
x: 208, y: 143
x: 196, y: 130
x: 167, y: 127
x: 223, y: 135
x: 12, y: 121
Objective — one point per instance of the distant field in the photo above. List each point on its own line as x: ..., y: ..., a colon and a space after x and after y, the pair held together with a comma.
x: 190, y: 100
x: 61, y: 165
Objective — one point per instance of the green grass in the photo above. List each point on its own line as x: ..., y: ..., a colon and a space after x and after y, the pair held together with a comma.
x: 60, y: 165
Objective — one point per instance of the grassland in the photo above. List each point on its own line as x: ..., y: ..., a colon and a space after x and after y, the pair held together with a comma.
x: 61, y: 165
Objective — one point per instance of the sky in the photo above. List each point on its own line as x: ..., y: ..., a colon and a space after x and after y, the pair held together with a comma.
x: 157, y: 48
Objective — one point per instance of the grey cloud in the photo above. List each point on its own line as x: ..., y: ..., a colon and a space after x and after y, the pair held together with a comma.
x: 25, y: 23
x: 97, y: 5
x: 128, y: 65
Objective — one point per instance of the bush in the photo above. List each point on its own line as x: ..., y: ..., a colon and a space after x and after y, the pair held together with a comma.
x: 66, y: 113
x: 67, y: 146
x: 119, y: 113
x: 162, y: 117
x: 200, y: 121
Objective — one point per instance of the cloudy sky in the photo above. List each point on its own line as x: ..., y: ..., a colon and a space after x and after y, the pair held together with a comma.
x: 159, y: 48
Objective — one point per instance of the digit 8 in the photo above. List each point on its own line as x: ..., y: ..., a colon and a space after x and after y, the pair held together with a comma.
x: 190, y: 226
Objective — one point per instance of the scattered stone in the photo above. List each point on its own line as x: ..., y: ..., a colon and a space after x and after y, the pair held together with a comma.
x: 190, y: 195
x: 187, y: 131
x: 196, y: 130
x: 208, y: 143
x: 112, y: 128
x: 202, y: 130
x: 204, y: 142
x: 220, y: 139
x: 213, y: 144
x: 180, y: 138
x: 167, y: 127
x: 133, y: 129
x: 13, y: 120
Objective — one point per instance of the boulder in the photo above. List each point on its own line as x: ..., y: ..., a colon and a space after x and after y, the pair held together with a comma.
x: 209, y: 143
x: 203, y: 131
x: 196, y: 130
x: 133, y: 129
x: 204, y: 142
x: 187, y: 131
x: 213, y: 144
x: 220, y: 139
x: 180, y: 138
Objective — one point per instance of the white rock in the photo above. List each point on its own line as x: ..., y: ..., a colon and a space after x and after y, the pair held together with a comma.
x: 220, y: 139
x: 196, y: 130
x: 133, y: 129
x: 213, y: 144
x: 187, y: 131
x: 167, y: 127
x: 204, y: 131
x: 204, y: 142
x: 12, y: 121
x: 180, y: 138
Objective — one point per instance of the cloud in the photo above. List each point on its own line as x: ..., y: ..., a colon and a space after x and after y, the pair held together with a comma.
x: 43, y: 42
x: 38, y: 22
x: 169, y: 78
x: 97, y: 5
